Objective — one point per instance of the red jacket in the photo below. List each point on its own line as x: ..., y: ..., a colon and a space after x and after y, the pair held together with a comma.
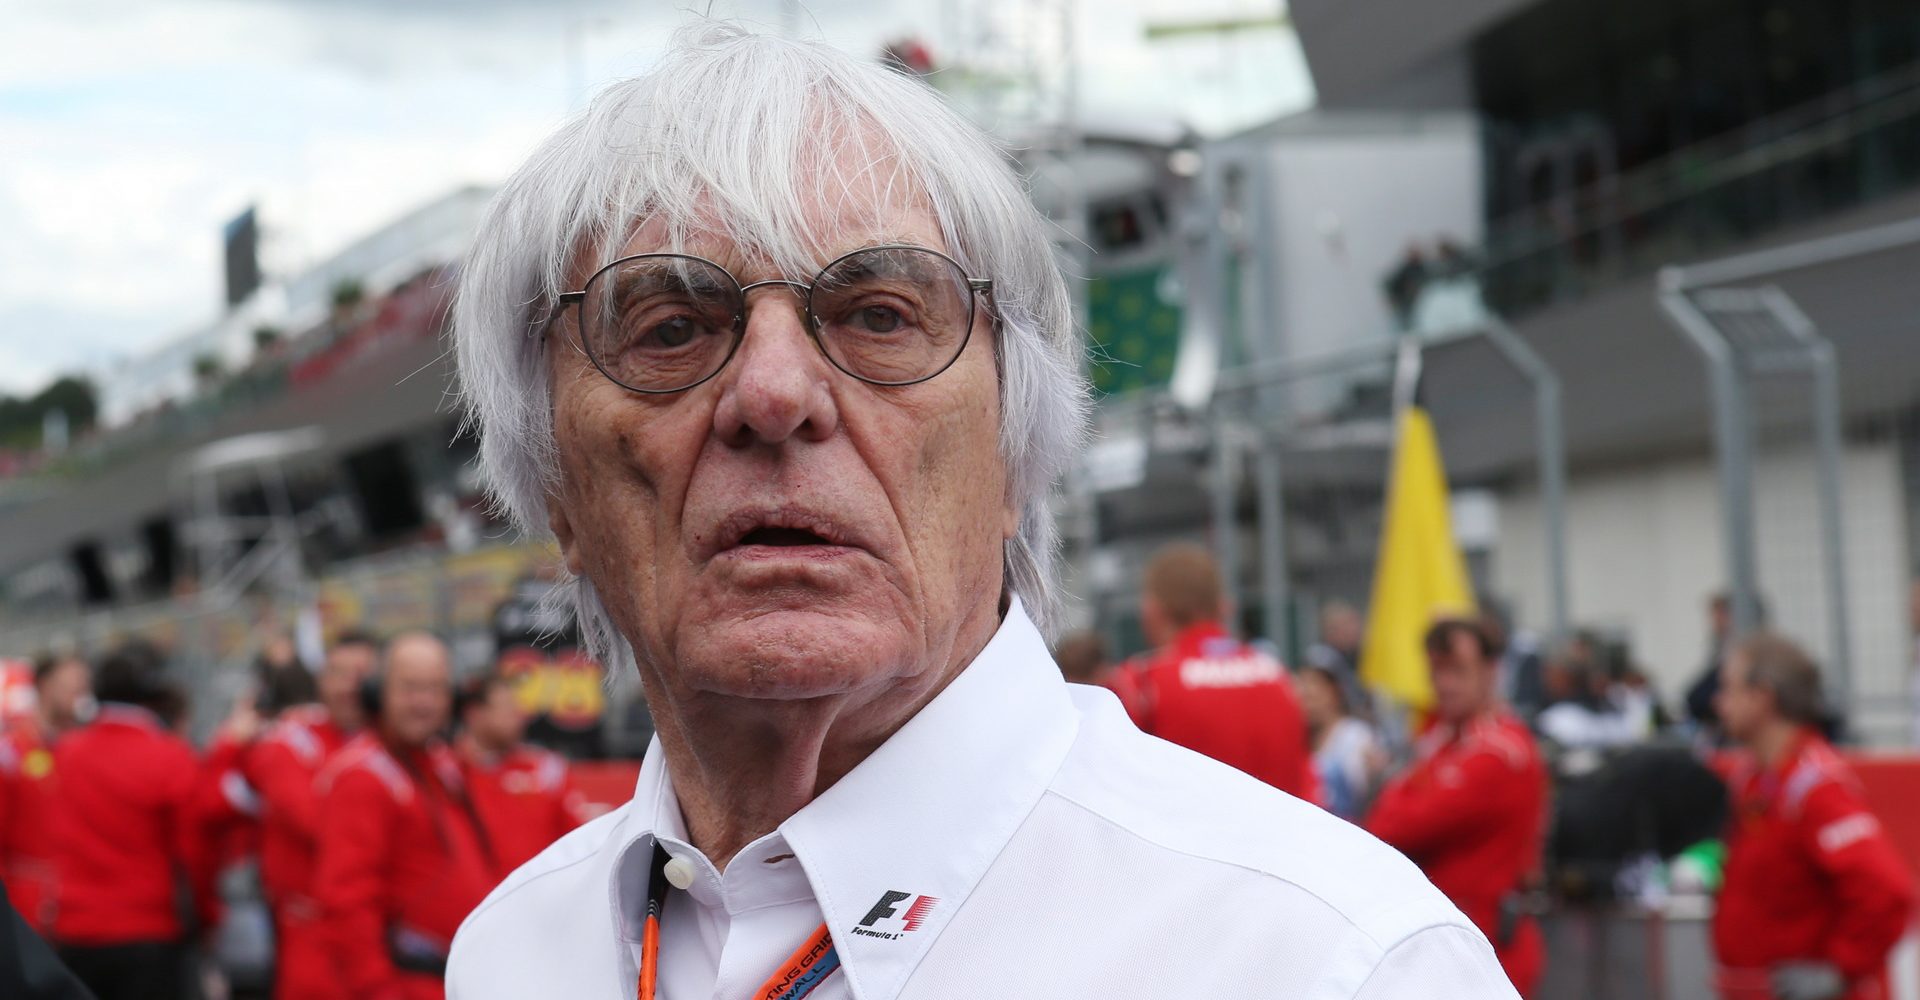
x: 281, y: 768
x: 228, y: 807
x: 1471, y: 811
x: 1216, y: 695
x: 26, y: 823
x: 401, y: 864
x: 126, y: 827
x: 1810, y: 874
x: 526, y: 800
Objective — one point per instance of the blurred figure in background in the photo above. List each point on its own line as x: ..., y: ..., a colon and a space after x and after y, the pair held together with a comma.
x: 126, y: 828
x: 282, y: 767
x: 1344, y: 747
x: 1082, y: 657
x: 63, y: 696
x: 1815, y: 894
x: 524, y: 795
x: 402, y: 859
x: 1702, y: 697
x: 1204, y: 689
x: 283, y: 680
x: 1913, y: 619
x: 1585, y: 707
x: 1471, y: 810
x: 1342, y: 630
x: 1522, y: 667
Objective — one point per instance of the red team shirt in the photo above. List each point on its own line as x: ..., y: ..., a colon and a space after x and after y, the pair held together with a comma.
x: 1810, y: 875
x: 526, y: 800
x: 126, y: 821
x: 401, y: 864
x: 1214, y: 694
x: 26, y: 823
x: 1471, y: 811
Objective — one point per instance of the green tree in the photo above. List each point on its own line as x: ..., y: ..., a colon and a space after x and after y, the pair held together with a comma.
x: 207, y: 367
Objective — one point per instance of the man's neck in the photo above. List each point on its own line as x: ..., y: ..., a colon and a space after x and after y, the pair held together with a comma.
x: 50, y: 729
x: 1774, y: 742
x: 481, y: 751
x: 741, y: 767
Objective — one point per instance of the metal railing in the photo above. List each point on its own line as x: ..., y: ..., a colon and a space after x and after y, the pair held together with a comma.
x: 1848, y: 148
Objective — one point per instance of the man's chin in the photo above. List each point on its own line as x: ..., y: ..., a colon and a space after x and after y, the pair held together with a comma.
x: 790, y: 653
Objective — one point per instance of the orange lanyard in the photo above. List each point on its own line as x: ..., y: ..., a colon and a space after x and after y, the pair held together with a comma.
x: 808, y: 966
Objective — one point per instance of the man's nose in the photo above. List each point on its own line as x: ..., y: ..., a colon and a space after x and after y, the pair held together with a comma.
x: 778, y: 384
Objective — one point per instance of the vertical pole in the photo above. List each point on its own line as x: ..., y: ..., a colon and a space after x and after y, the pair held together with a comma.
x: 1225, y: 532
x: 1551, y: 457
x: 1828, y: 449
x: 1553, y: 499
x: 1733, y: 439
x: 1732, y: 447
x: 1273, y: 549
x: 1828, y: 444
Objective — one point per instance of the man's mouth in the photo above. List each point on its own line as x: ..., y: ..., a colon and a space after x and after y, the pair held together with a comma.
x: 768, y: 531
x: 782, y: 537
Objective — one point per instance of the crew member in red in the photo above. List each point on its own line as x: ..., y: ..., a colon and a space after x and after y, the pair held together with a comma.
x: 1815, y: 894
x: 281, y: 767
x: 402, y: 858
x: 524, y: 795
x: 63, y: 690
x: 125, y: 829
x: 1206, y: 690
x: 1471, y: 810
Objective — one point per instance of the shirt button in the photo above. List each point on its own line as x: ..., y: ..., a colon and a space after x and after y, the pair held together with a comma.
x: 679, y: 872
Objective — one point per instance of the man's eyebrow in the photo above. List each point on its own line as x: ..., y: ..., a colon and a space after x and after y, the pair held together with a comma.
x: 888, y: 239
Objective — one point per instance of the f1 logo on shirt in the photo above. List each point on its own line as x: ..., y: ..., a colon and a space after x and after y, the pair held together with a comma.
x: 888, y: 906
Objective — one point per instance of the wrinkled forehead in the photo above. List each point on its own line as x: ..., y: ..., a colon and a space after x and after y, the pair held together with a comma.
x: 843, y: 192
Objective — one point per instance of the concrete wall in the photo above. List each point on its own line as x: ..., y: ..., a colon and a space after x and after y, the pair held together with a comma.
x: 1344, y: 197
x: 1645, y: 551
x: 1361, y: 52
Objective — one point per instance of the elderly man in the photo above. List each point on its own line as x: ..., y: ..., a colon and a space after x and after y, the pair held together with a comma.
x: 1816, y: 894
x: 400, y: 857
x: 774, y: 344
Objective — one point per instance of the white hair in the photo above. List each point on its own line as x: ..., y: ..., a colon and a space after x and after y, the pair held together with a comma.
x: 741, y: 131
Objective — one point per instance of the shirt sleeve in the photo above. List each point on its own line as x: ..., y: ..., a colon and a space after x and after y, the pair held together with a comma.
x: 1870, y: 881
x: 1446, y: 962
x: 285, y: 785
x: 355, y: 840
x: 1458, y: 799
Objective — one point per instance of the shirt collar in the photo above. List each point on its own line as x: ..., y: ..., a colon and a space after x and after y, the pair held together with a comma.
x: 896, y: 846
x: 128, y: 714
x: 1191, y: 638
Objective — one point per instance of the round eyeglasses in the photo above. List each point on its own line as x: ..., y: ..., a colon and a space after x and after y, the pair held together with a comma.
x: 666, y: 322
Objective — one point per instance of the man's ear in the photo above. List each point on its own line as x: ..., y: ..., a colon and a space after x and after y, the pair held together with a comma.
x: 562, y: 527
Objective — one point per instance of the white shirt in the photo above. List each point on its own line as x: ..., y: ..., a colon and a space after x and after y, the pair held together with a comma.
x: 1016, y: 838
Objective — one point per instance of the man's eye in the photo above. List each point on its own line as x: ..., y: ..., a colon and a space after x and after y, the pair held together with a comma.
x: 675, y: 332
x: 879, y: 319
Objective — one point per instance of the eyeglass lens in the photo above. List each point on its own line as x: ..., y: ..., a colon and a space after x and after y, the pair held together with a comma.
x: 889, y: 315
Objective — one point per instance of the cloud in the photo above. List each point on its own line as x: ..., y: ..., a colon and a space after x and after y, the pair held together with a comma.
x: 134, y: 129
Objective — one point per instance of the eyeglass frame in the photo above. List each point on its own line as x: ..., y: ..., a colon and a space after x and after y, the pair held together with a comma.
x: 811, y: 321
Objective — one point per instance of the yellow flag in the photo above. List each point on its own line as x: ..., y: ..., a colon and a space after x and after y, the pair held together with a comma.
x: 1420, y: 574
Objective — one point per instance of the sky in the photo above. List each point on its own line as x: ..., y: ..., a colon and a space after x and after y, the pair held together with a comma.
x: 131, y: 130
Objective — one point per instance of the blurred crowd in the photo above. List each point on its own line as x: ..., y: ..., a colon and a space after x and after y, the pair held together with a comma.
x: 326, y: 842
x: 1541, y: 777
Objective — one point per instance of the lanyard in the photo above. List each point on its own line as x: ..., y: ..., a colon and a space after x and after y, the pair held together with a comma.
x: 808, y: 966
